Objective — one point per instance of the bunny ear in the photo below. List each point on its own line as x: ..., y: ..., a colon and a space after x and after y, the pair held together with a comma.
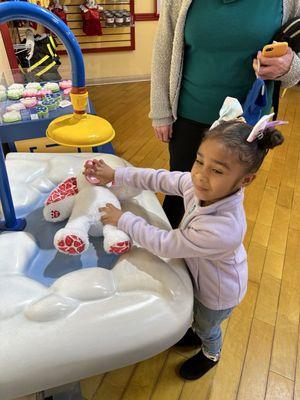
x: 259, y: 127
x: 230, y: 110
x: 271, y: 124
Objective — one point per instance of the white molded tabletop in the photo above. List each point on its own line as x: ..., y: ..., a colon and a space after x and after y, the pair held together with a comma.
x: 64, y: 318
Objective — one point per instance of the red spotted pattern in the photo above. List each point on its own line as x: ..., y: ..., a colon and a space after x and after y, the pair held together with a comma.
x: 66, y: 189
x: 120, y: 248
x: 71, y: 244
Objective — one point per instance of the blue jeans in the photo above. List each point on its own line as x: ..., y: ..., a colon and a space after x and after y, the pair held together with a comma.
x: 207, y: 325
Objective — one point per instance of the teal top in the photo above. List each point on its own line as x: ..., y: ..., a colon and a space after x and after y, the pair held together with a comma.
x: 221, y: 39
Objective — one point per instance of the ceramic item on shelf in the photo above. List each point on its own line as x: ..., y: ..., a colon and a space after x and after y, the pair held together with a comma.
x: 29, y: 102
x: 14, y: 94
x: 50, y: 103
x: 11, y: 116
x: 33, y: 85
x: 41, y: 111
x: 17, y: 86
x: 30, y: 93
x: 53, y: 86
x: 65, y: 84
x: 15, y: 107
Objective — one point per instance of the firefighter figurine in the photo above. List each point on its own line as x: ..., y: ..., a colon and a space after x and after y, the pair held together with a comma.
x: 58, y: 9
x: 91, y: 12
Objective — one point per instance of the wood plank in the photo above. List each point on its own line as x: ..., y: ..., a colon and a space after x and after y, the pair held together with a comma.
x: 285, y: 196
x: 144, y: 378
x: 254, y: 194
x: 247, y: 239
x: 90, y: 385
x: 169, y: 385
x: 286, y: 331
x: 295, y: 214
x: 275, y: 173
x: 266, y: 165
x: 228, y: 370
x: 199, y: 389
x: 256, y: 259
x: 297, y: 378
x: 279, y: 230
x: 267, y: 300
x: 261, y: 233
x: 267, y: 206
x: 274, y: 264
x: 279, y: 388
x: 114, y: 384
x: 257, y: 362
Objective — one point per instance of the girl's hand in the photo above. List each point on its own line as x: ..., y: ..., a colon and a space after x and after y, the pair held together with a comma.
x: 100, y: 170
x: 110, y: 214
x: 269, y: 68
x: 163, y: 133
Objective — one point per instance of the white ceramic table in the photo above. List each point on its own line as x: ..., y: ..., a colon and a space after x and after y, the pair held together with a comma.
x: 64, y: 318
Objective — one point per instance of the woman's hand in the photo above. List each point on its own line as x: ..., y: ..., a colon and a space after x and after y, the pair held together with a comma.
x: 100, y: 170
x: 163, y: 133
x: 269, y: 68
x: 110, y: 214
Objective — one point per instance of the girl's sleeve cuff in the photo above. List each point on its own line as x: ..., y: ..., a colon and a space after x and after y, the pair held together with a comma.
x: 125, y: 221
x: 119, y: 175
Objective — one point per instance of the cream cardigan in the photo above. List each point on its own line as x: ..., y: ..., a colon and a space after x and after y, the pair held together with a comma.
x: 167, y: 60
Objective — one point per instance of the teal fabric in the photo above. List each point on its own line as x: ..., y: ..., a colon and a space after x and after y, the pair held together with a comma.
x: 221, y: 40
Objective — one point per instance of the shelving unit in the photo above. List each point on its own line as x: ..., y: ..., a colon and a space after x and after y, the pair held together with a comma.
x: 112, y: 39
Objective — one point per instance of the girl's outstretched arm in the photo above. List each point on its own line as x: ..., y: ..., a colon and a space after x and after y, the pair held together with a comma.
x: 157, y: 180
x: 201, y: 239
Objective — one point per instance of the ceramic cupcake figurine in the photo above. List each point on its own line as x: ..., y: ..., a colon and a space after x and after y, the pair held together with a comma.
x: 29, y: 102
x: 16, y: 86
x: 43, y: 92
x: 12, y: 116
x: 41, y: 111
x: 65, y: 84
x: 15, y: 107
x: 50, y: 103
x: 30, y: 93
x: 14, y: 94
x: 33, y: 85
x: 53, y: 86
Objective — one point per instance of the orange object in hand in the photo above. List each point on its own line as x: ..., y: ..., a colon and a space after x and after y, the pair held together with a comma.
x: 276, y: 49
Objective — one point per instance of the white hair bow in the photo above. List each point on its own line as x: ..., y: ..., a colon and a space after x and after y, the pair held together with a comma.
x: 230, y: 110
x: 258, y: 129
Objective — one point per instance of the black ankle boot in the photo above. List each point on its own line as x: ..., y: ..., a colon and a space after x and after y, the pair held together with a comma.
x: 190, y: 339
x: 196, y: 366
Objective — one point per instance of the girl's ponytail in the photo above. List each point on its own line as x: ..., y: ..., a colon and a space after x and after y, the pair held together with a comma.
x: 271, y: 138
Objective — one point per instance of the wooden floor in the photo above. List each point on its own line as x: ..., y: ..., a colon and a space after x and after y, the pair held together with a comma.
x: 260, y: 357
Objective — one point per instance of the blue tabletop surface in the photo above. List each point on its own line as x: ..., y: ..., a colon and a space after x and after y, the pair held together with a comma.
x: 50, y: 264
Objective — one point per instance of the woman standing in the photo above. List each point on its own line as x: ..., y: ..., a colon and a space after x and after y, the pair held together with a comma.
x: 204, y: 51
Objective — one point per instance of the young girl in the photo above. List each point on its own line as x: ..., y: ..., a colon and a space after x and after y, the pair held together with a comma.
x: 212, y: 230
